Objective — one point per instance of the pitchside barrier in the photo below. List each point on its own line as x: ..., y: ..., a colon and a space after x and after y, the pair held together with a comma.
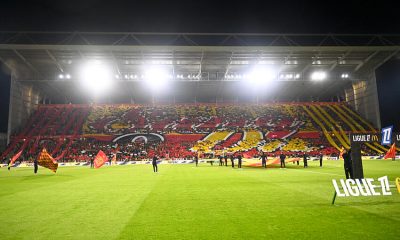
x: 246, y: 161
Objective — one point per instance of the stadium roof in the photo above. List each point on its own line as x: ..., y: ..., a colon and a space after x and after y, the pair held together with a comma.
x: 199, y: 59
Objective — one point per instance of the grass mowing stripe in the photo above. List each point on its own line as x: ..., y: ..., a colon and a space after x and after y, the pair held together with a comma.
x: 97, y: 206
x: 185, y: 202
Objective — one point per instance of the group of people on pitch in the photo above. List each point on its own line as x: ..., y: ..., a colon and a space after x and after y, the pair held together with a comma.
x: 223, y: 160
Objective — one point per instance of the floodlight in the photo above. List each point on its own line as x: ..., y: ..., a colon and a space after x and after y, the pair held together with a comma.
x: 61, y: 76
x: 96, y: 76
x: 261, y: 75
x: 156, y: 77
x: 318, y: 76
x: 67, y: 76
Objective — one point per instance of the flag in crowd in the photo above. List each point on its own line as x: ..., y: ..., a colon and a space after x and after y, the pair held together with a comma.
x: 47, y: 161
x: 100, y: 159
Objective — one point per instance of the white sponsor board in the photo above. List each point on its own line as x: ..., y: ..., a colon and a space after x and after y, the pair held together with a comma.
x: 362, y: 187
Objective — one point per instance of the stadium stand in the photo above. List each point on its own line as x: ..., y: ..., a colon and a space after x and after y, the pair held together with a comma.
x: 77, y: 132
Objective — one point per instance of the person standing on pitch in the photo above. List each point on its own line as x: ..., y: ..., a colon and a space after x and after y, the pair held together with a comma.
x: 347, y: 163
x: 232, y: 161
x: 8, y: 164
x: 282, y: 157
x: 305, y: 158
x: 263, y: 158
x: 320, y: 160
x: 220, y: 160
x: 196, y: 160
x: 226, y: 160
x: 154, y: 162
x: 91, y: 162
x: 239, y: 157
x: 35, y: 165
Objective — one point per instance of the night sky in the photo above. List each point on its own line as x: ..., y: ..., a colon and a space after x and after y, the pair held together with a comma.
x: 361, y: 16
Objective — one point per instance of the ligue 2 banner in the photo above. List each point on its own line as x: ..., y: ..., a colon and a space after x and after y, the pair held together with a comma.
x: 364, y: 187
x: 100, y: 159
x: 47, y: 161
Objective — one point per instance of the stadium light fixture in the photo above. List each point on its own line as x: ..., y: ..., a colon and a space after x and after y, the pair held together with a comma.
x: 345, y: 75
x: 96, y: 76
x: 67, y: 76
x: 61, y: 76
x: 157, y: 77
x: 261, y: 75
x: 318, y: 76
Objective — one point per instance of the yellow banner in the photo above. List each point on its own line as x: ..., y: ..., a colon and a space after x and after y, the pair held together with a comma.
x: 47, y: 161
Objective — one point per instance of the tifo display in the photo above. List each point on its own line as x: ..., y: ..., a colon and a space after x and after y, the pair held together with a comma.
x: 138, y: 132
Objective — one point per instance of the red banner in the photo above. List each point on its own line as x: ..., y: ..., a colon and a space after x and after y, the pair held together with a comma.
x: 47, y: 161
x: 391, y: 153
x: 246, y: 155
x: 100, y: 159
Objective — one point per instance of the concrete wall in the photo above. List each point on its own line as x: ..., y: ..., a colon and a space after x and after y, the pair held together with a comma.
x: 3, y: 141
x: 24, y: 100
x: 363, y: 98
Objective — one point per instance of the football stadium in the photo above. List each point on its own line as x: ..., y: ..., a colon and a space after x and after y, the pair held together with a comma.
x: 133, y: 135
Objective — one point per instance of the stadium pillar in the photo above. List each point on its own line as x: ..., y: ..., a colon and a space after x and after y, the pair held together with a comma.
x: 10, y: 108
x: 356, y: 161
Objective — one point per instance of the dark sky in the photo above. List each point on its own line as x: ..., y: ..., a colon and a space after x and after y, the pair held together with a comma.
x: 360, y: 16
x: 388, y: 77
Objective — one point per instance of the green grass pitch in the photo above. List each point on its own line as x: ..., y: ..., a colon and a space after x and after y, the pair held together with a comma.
x: 185, y: 202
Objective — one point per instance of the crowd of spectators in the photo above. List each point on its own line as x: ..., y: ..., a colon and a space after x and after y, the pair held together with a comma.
x: 62, y: 130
